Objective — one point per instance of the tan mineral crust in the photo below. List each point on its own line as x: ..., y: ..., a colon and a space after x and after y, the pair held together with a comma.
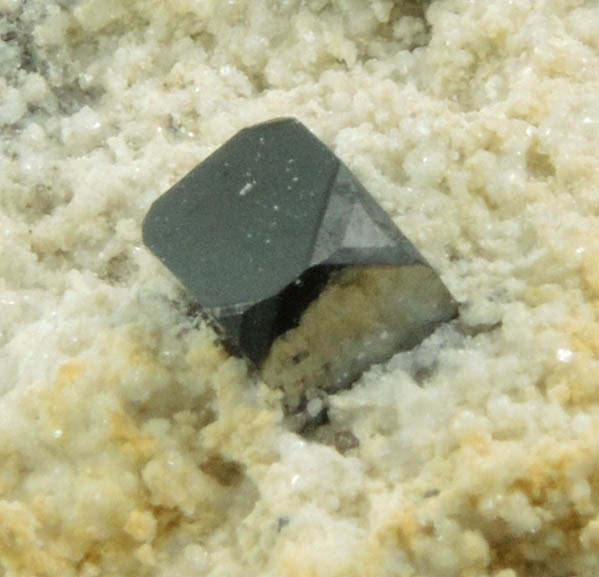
x: 132, y: 444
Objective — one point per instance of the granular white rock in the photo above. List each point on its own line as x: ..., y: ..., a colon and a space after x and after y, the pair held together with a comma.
x: 131, y: 444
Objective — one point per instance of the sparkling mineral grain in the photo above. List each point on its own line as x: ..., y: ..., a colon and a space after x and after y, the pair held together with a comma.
x: 297, y: 266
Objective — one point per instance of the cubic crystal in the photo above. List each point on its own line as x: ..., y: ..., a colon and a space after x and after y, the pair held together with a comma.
x: 296, y: 265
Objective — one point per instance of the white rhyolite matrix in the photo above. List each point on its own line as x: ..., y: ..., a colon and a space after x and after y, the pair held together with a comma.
x: 132, y: 444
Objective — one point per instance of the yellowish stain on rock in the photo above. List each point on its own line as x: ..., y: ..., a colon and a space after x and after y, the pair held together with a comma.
x: 125, y: 432
x: 69, y: 373
x: 554, y: 482
x: 244, y: 423
x: 19, y: 547
x: 127, y: 493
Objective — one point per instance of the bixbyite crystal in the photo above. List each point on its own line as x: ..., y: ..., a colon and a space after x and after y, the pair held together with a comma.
x: 297, y: 266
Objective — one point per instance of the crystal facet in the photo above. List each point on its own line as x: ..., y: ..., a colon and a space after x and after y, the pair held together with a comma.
x: 297, y: 266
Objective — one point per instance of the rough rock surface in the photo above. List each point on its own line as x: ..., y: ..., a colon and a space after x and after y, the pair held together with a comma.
x: 130, y: 444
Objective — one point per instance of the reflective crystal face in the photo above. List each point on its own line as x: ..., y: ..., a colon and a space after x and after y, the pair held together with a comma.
x: 298, y: 267
x: 363, y: 316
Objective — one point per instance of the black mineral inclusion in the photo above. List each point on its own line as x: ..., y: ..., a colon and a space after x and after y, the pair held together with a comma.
x: 259, y: 228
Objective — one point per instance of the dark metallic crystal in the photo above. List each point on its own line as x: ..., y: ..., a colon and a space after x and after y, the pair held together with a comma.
x: 265, y: 226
